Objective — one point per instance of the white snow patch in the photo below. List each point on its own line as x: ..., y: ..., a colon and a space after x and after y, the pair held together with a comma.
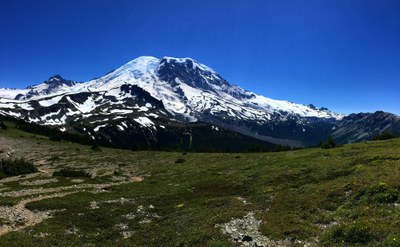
x: 121, y: 111
x: 98, y: 127
x: 143, y: 108
x: 152, y: 115
x: 87, y: 106
x: 50, y: 101
x: 144, y: 121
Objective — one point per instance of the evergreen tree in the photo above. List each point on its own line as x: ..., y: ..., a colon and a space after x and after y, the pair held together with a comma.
x: 328, y: 144
x: 331, y: 142
x: 3, y: 126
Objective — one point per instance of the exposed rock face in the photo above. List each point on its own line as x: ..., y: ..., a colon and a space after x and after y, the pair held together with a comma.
x: 364, y: 126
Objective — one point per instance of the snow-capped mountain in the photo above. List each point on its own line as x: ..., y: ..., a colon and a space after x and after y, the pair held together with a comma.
x: 54, y: 85
x: 147, y: 91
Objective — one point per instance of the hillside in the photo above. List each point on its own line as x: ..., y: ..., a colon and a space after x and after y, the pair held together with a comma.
x: 320, y: 197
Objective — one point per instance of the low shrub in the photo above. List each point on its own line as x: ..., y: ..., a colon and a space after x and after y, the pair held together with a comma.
x: 95, y: 148
x: 69, y: 172
x: 180, y: 160
x: 54, y: 158
x: 354, y: 233
x: 393, y: 240
x: 14, y: 167
x: 117, y: 172
x: 380, y: 193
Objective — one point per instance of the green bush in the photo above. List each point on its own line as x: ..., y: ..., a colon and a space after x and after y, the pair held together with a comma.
x: 95, y: 148
x: 69, y: 172
x: 180, y: 160
x: 380, y: 193
x: 354, y: 233
x: 393, y: 240
x: 383, y: 194
x: 14, y: 167
x: 117, y: 172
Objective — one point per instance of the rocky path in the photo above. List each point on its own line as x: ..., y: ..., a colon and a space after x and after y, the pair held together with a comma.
x: 80, y: 187
x: 5, y: 146
x: 19, y: 217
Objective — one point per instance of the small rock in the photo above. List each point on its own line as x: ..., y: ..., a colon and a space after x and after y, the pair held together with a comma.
x: 121, y: 226
x: 94, y: 205
x: 129, y: 216
x: 127, y: 234
x: 247, y: 238
x: 145, y: 221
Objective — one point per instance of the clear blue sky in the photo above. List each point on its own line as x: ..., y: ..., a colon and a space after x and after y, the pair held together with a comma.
x: 342, y: 54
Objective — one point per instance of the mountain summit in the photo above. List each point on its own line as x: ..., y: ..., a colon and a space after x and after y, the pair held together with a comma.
x: 149, y: 94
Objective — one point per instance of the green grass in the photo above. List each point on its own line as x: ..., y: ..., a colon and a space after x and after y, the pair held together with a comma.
x: 345, y: 196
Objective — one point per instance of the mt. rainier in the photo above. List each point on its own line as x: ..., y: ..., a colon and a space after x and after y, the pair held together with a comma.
x: 148, y: 96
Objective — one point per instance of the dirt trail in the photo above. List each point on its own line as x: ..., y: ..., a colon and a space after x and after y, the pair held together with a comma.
x: 19, y: 217
x: 28, y: 192
x: 5, y: 145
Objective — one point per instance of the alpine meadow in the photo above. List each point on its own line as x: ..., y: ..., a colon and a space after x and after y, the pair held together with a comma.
x: 215, y: 123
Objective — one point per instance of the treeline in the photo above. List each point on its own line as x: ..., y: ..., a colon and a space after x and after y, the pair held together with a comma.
x: 384, y: 136
x: 53, y: 134
x: 3, y: 126
x: 193, y: 138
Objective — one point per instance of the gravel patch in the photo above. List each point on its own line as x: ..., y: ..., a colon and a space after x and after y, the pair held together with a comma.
x: 39, y: 182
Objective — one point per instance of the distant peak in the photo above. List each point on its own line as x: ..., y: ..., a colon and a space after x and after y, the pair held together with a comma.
x: 144, y: 59
x: 190, y: 63
x: 55, y: 78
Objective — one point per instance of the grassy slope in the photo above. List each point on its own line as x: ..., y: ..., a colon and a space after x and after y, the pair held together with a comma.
x: 351, y: 190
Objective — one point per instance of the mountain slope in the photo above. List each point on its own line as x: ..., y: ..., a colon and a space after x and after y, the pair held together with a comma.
x: 54, y: 85
x: 364, y: 126
x: 180, y: 90
x: 128, y: 118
